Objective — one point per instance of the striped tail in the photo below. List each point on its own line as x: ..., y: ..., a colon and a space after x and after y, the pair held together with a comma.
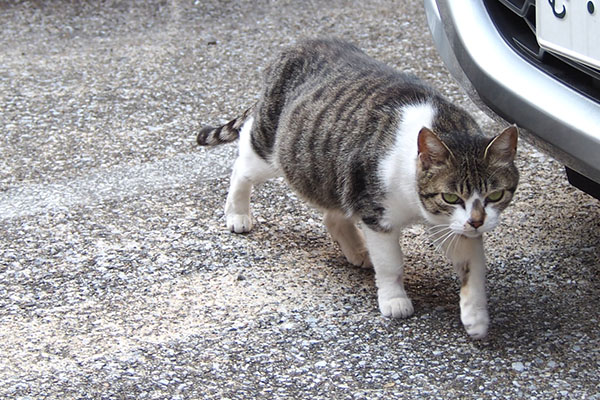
x: 211, y: 136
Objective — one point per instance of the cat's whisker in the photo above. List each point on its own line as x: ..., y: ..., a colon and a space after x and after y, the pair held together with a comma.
x: 445, y: 244
x: 436, y: 236
x: 441, y: 240
x: 443, y: 237
x: 435, y: 232
x: 449, y: 244
x: 438, y: 228
x: 438, y: 244
x: 450, y: 249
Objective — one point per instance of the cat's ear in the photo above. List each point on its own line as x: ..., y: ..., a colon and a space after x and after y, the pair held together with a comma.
x: 503, y: 147
x: 432, y: 151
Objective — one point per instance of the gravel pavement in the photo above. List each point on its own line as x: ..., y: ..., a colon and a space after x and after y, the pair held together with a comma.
x: 118, y: 279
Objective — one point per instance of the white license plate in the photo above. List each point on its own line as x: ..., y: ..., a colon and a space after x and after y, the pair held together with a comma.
x: 570, y: 28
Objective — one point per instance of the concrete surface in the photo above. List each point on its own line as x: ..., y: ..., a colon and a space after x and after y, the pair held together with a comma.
x: 119, y: 281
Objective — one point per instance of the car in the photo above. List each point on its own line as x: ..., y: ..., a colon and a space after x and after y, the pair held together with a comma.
x: 535, y: 64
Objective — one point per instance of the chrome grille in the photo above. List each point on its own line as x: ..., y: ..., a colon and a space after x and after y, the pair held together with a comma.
x: 515, y: 20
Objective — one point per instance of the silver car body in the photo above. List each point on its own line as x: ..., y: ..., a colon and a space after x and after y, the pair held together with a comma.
x: 559, y: 120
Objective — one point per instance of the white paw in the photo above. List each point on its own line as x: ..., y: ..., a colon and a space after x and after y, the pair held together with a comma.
x: 476, y: 322
x: 397, y: 307
x: 239, y: 223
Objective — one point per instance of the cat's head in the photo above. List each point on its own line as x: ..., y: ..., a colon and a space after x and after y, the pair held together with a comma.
x: 465, y: 182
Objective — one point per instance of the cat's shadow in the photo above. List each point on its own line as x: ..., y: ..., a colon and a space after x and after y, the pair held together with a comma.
x: 520, y: 319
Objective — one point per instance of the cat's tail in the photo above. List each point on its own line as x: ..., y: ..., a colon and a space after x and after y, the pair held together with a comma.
x: 212, y: 136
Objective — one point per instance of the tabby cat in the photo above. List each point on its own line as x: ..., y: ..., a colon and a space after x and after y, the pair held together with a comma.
x: 376, y: 150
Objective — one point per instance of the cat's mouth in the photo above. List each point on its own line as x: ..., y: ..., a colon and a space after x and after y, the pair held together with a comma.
x: 465, y: 231
x: 471, y: 234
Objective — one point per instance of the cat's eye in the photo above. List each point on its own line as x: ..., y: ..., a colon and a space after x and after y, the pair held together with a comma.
x: 451, y: 198
x: 495, y: 196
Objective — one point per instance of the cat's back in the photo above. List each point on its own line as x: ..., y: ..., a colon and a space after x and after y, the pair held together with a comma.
x: 329, y: 63
x: 313, y: 58
x: 331, y: 85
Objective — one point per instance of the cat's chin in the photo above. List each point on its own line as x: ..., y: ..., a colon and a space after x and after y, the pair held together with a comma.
x: 470, y: 234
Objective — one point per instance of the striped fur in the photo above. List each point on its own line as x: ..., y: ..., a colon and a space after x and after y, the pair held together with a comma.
x: 229, y: 132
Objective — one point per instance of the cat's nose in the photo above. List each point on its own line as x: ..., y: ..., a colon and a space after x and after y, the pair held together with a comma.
x: 477, y: 214
x: 475, y: 223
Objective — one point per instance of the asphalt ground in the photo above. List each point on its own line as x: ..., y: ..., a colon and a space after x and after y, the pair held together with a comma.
x: 118, y: 279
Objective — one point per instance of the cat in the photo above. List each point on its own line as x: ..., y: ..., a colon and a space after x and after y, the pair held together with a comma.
x: 376, y: 150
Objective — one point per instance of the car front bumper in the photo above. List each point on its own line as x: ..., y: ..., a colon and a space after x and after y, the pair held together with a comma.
x: 556, y: 118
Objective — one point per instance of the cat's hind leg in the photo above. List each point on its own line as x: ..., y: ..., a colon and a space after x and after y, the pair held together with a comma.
x: 249, y: 169
x: 351, y: 240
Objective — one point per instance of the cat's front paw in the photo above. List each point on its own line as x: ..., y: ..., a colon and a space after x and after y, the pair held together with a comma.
x: 239, y: 223
x: 397, y: 307
x: 476, y: 322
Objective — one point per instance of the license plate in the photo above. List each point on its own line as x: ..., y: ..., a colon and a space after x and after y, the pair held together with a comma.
x: 570, y: 28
